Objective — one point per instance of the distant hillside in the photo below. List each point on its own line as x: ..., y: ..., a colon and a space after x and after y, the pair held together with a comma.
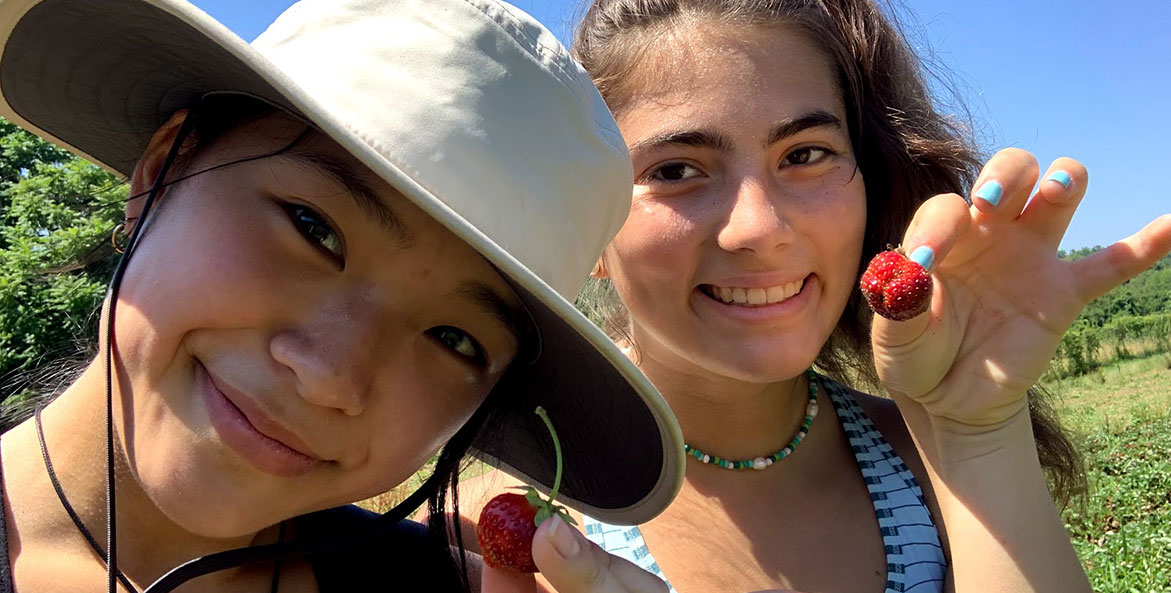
x: 1149, y: 293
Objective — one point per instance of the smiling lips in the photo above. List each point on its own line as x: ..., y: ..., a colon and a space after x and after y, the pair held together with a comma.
x: 755, y: 296
x: 243, y: 426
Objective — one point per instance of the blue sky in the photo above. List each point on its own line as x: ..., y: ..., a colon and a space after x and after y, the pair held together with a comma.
x: 1077, y: 78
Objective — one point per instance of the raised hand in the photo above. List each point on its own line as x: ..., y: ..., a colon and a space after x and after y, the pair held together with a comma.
x: 1002, y: 298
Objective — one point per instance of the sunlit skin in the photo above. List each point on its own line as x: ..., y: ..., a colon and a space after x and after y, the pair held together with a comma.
x: 361, y: 346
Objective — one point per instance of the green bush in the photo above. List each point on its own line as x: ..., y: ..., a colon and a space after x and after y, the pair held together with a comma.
x: 55, y: 226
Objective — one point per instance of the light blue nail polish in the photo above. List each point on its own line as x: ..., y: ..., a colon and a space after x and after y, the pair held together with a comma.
x: 991, y: 192
x: 1060, y: 177
x: 924, y: 256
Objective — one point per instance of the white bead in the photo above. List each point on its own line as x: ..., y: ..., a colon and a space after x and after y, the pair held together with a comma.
x: 811, y: 410
x: 759, y: 463
x: 768, y: 460
x: 788, y: 451
x: 707, y: 459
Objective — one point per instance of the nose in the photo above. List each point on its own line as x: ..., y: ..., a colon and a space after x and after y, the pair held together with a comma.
x: 331, y: 353
x: 755, y: 222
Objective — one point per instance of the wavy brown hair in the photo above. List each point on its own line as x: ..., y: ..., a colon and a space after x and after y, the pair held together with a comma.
x: 907, y: 151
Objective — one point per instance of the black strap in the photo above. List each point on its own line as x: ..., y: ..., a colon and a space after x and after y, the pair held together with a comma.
x: 295, y: 550
x: 112, y: 295
x: 89, y: 537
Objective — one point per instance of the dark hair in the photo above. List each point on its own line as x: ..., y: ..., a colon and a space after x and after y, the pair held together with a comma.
x: 906, y: 150
x: 211, y: 119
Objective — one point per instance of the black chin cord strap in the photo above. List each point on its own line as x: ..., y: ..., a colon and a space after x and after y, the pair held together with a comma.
x: 112, y: 298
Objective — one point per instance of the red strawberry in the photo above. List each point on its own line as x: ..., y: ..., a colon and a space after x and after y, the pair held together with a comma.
x: 896, y: 287
x: 509, y: 521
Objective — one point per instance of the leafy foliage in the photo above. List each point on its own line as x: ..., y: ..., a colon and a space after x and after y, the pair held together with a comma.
x: 1132, y: 319
x: 58, y: 214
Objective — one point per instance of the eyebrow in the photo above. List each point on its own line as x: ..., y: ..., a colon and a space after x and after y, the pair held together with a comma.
x: 696, y: 138
x: 800, y: 123
x: 717, y: 141
x: 363, y: 195
x: 513, y: 317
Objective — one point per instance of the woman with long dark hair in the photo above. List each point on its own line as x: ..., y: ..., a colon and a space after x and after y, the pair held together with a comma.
x: 778, y: 146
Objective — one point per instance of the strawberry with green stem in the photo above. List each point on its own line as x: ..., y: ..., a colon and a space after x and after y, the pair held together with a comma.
x: 509, y: 521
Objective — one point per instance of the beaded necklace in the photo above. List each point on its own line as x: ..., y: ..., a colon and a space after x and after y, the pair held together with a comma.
x: 762, y: 462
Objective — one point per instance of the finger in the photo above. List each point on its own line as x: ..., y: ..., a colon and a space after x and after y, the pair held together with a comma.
x: 573, y: 564
x: 1003, y: 187
x: 495, y: 580
x: 937, y: 226
x: 1052, y: 207
x: 1123, y: 260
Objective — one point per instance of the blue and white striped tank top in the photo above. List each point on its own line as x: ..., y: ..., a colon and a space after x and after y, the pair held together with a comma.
x: 914, y: 556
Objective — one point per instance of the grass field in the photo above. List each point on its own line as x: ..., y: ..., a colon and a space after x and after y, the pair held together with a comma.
x: 1122, y: 528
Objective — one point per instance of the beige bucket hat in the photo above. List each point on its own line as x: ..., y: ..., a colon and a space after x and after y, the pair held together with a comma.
x: 470, y: 108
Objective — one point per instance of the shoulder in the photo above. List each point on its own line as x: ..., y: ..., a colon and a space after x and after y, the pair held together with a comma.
x: 887, y: 418
x: 404, y: 553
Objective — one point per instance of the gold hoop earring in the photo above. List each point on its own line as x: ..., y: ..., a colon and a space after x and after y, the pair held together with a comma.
x: 119, y: 237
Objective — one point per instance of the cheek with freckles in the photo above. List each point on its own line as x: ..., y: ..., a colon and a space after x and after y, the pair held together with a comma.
x: 653, y: 257
x: 835, y: 222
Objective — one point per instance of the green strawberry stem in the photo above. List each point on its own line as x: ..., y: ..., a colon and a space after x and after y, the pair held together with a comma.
x: 540, y: 411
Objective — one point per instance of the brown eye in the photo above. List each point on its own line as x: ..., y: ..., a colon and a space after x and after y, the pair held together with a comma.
x: 674, y: 172
x: 806, y: 155
x: 315, y: 229
x: 460, y: 343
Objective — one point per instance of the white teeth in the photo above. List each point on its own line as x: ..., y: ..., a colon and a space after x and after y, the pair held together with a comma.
x: 755, y: 295
x: 792, y: 288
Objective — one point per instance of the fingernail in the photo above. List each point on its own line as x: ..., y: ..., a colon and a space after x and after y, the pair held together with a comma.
x: 924, y: 256
x: 562, y: 538
x: 1061, y: 177
x: 991, y: 192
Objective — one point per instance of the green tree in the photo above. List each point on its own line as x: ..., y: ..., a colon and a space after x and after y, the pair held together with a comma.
x: 58, y: 213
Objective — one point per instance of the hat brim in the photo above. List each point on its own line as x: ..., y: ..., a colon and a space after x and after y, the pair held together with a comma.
x: 100, y: 76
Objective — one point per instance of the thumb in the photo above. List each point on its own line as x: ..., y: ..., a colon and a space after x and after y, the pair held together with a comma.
x: 573, y: 564
x: 938, y: 224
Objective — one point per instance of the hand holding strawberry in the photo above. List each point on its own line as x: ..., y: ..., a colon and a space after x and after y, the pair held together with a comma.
x: 520, y: 534
x: 1002, y: 298
x: 509, y: 521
